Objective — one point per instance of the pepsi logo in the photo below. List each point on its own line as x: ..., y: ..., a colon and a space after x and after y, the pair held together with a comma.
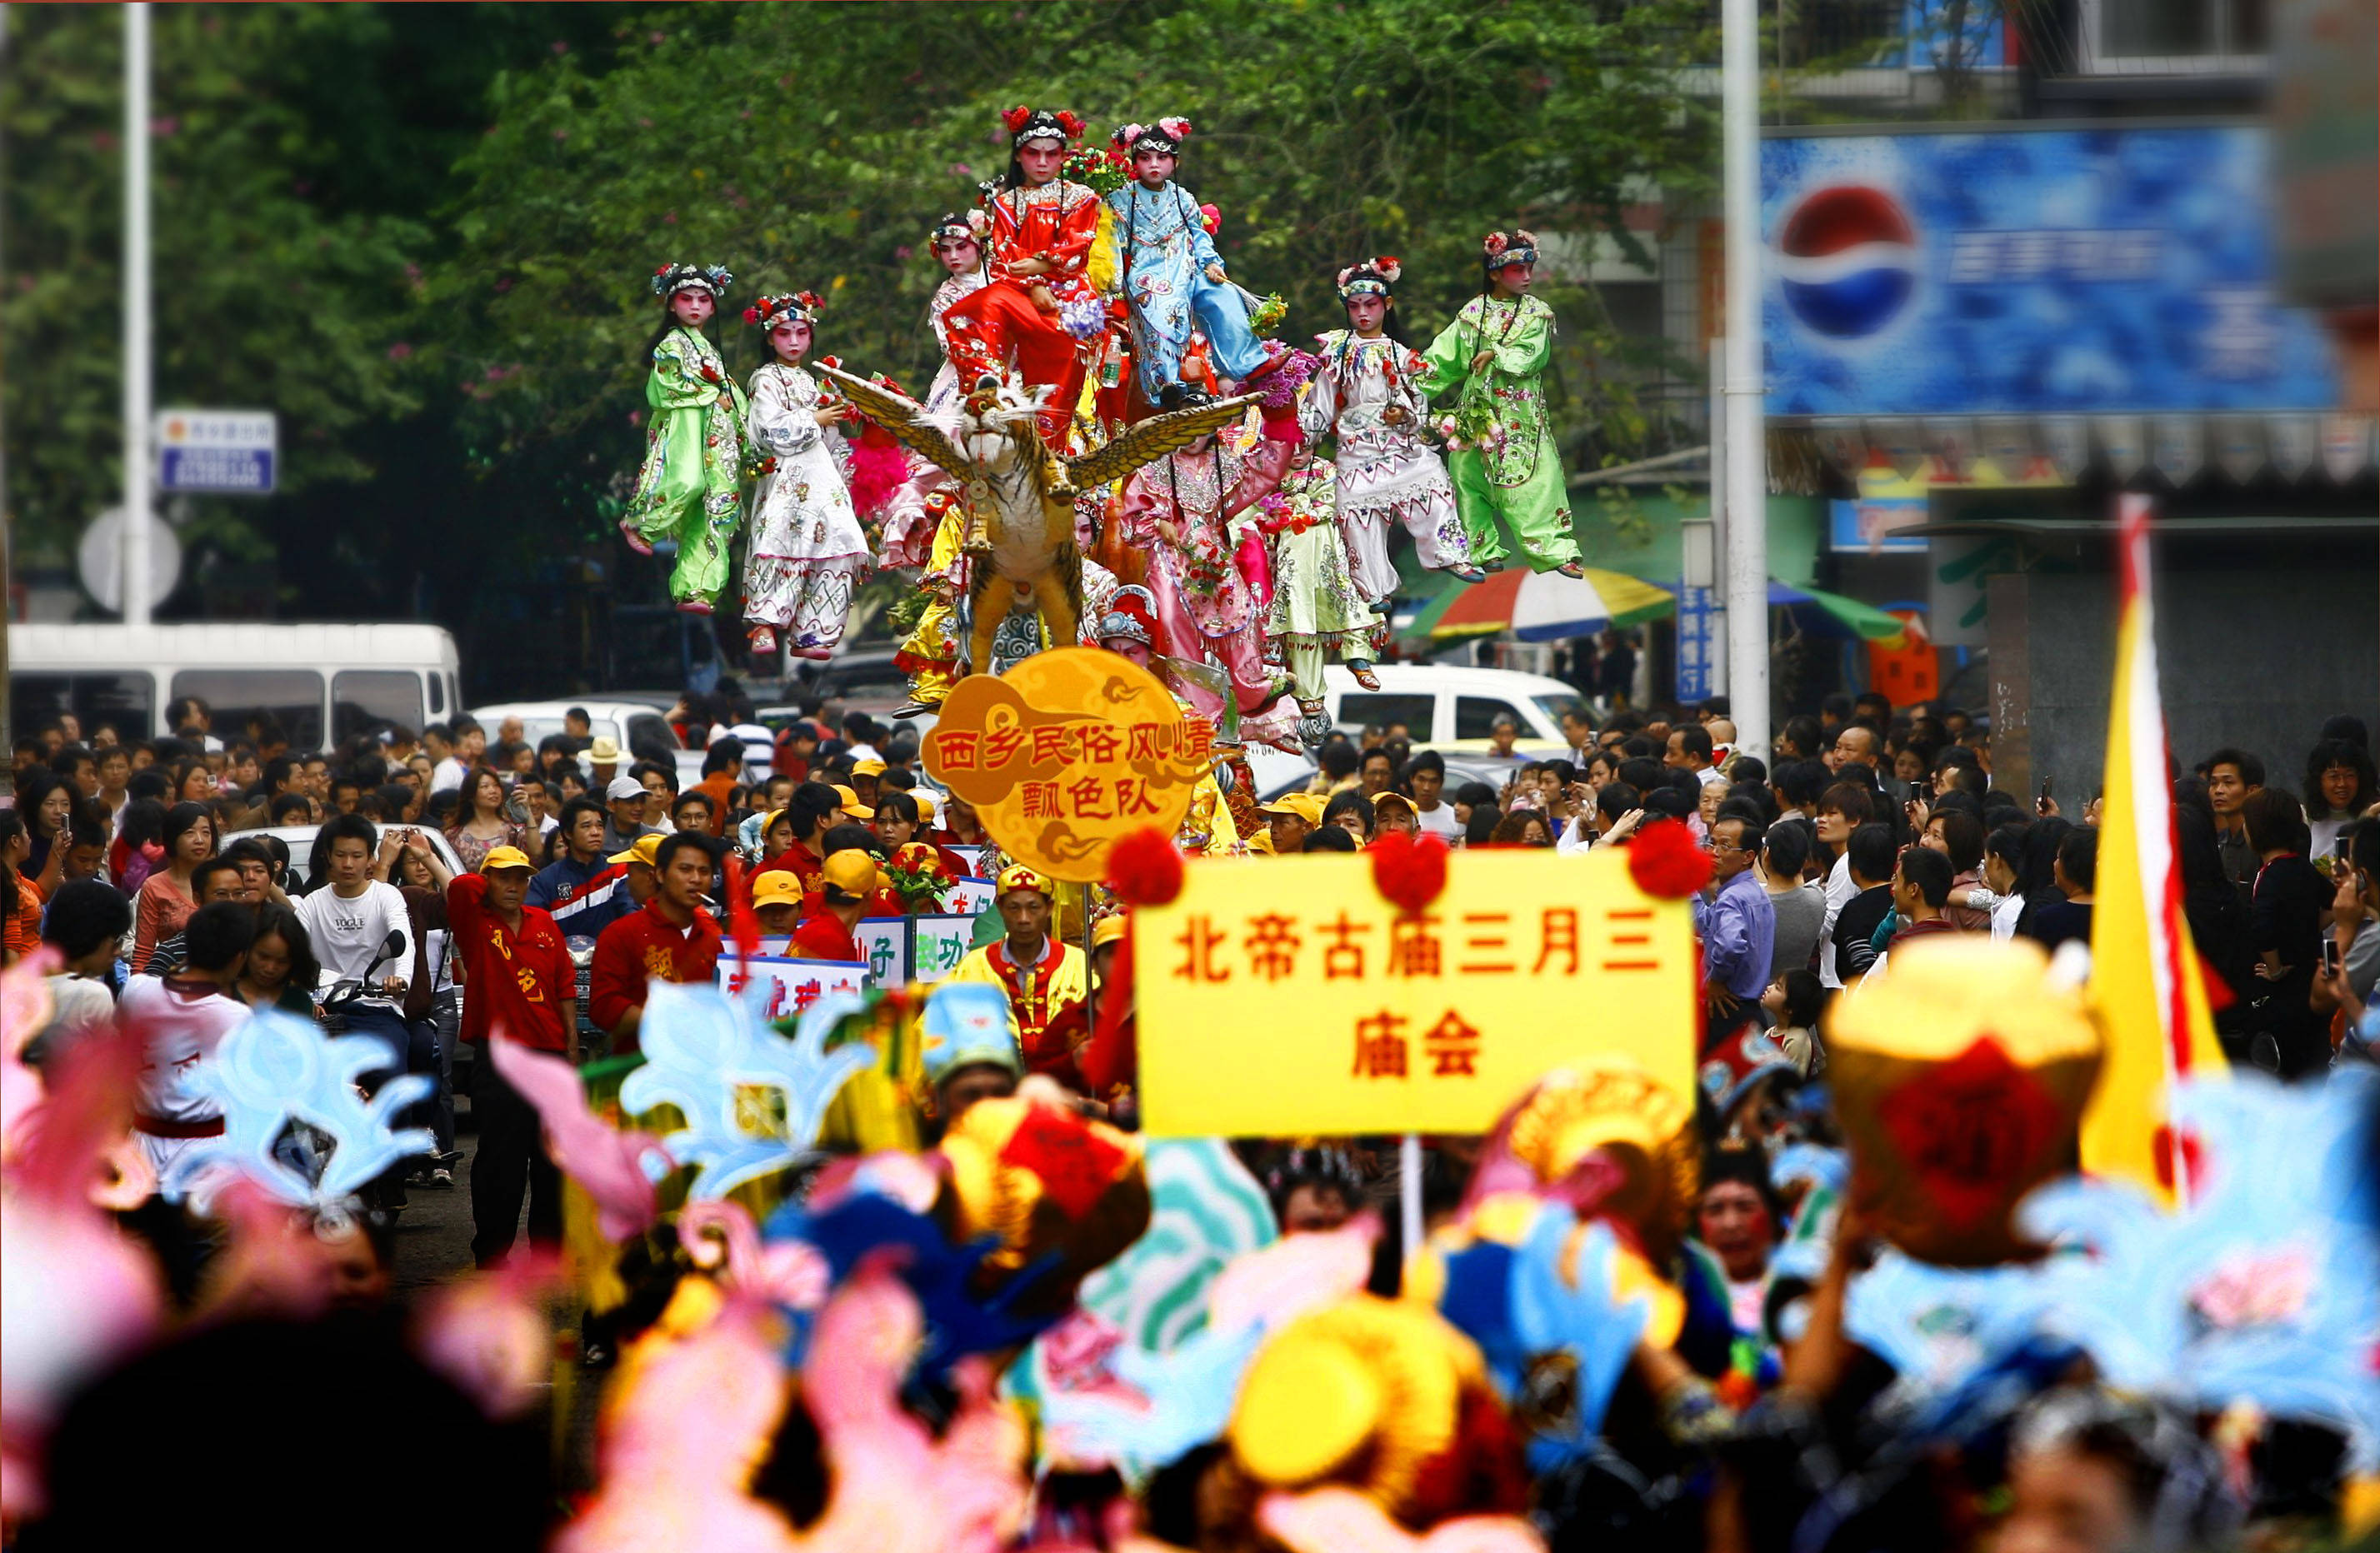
x: 1847, y: 257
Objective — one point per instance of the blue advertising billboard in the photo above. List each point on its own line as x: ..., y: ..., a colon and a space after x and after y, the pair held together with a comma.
x: 2028, y: 271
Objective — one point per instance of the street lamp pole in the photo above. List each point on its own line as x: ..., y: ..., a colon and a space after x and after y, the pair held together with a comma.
x: 1747, y: 472
x: 137, y: 410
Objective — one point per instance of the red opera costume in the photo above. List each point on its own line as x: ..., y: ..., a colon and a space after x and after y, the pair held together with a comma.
x: 1056, y: 223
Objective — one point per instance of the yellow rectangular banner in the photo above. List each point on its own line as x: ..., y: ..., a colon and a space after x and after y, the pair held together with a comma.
x: 1286, y: 997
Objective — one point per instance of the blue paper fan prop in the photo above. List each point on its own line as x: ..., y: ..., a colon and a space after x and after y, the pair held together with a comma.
x: 277, y: 1070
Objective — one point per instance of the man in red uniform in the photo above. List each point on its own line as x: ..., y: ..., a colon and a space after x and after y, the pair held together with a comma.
x: 827, y: 933
x: 521, y: 986
x: 1042, y: 227
x: 672, y: 937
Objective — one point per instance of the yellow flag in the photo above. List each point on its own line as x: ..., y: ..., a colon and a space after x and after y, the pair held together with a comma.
x: 2145, y: 980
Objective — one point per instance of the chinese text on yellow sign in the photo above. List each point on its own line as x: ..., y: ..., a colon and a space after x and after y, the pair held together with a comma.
x: 1288, y: 997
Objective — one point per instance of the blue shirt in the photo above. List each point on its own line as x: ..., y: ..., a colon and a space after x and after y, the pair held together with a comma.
x: 583, y: 898
x: 1738, y: 931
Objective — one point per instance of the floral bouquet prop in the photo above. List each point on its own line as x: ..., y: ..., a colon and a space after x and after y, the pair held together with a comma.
x: 920, y: 877
x: 1102, y: 169
x: 1264, y: 318
x: 1472, y: 424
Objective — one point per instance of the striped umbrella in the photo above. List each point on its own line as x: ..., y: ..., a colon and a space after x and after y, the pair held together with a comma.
x: 1539, y: 606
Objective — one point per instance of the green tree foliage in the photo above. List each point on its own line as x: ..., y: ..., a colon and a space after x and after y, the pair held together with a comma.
x: 812, y: 145
x: 422, y: 233
x: 272, y: 288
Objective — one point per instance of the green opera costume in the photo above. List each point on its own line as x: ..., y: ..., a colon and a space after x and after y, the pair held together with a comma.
x: 690, y: 487
x: 1522, y: 481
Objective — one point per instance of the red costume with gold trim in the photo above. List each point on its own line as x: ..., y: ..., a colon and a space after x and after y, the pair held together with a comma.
x: 1056, y: 222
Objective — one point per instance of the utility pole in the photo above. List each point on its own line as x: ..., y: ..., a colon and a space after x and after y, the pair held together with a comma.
x: 1746, y: 436
x: 136, y: 413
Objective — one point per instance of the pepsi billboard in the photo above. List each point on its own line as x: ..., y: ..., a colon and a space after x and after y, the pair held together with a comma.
x: 2027, y: 271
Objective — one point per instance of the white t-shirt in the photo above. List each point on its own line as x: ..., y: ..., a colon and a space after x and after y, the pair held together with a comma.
x: 347, y: 933
x: 1439, y: 821
x: 181, y: 1031
x: 1839, y: 891
x: 2004, y: 918
x: 447, y: 775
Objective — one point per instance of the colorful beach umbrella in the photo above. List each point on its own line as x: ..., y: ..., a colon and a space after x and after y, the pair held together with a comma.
x: 1539, y: 606
x: 1846, y: 616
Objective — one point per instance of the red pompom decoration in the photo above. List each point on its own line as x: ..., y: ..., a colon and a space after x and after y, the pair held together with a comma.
x: 1144, y: 870
x: 1410, y: 874
x: 1665, y: 860
x: 1014, y: 117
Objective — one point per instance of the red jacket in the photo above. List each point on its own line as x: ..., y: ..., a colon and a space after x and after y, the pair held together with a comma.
x: 640, y: 946
x: 517, y: 982
x: 823, y: 936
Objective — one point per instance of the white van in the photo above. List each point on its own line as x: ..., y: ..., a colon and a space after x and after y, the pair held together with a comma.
x: 1449, y: 708
x: 1445, y: 707
x: 322, y: 684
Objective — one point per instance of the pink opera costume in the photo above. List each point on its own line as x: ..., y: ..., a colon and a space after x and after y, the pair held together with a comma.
x: 806, y: 551
x: 1367, y: 396
x: 1181, y: 510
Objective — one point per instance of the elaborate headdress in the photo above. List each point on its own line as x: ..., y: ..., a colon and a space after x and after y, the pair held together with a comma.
x: 802, y: 307
x: 1039, y: 124
x: 1131, y: 616
x: 671, y: 279
x: 1369, y: 277
x: 1517, y: 246
x: 974, y: 225
x: 1165, y: 136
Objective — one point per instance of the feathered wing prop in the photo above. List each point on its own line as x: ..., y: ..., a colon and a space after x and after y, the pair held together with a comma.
x: 1151, y: 440
x: 901, y: 415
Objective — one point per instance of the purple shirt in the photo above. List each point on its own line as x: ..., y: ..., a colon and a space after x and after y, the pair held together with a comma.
x: 1738, y: 931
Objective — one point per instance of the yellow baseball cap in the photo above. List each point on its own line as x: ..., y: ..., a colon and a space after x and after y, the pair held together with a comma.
x: 1379, y: 799
x: 644, y: 849
x: 777, y: 888
x: 853, y: 872
x: 507, y: 857
x: 867, y: 768
x: 1108, y: 929
x: 1297, y: 805
x: 851, y: 803
x: 1016, y: 876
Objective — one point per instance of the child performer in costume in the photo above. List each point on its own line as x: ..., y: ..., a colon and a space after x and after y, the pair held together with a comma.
x: 929, y: 654
x: 1037, y: 306
x: 807, y: 552
x: 691, y: 485
x: 1491, y: 361
x: 1179, y: 510
x: 1367, y: 394
x: 1172, y: 275
x: 1317, y: 612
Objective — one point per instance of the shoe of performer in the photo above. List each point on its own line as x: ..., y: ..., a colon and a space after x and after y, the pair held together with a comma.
x: 1467, y: 574
x: 1362, y: 669
x: 637, y: 541
x: 911, y: 708
x: 764, y: 646
x: 1572, y: 570
x: 439, y: 1180
x: 694, y: 606
x: 1492, y: 567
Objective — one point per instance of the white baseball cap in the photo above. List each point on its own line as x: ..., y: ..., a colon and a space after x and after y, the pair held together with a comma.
x: 625, y: 787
